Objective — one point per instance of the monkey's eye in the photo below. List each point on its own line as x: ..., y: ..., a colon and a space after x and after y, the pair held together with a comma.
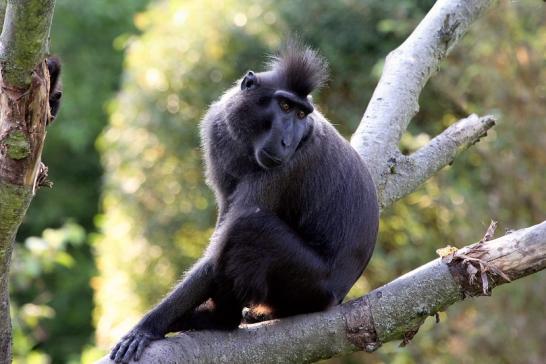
x: 285, y: 106
x: 301, y: 114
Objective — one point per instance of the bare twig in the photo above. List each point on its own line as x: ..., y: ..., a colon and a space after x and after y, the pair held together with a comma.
x: 490, y: 232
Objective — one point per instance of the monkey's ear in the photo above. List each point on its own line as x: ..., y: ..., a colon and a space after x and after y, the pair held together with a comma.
x: 250, y: 81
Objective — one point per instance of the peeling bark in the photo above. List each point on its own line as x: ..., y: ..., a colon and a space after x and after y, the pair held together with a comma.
x: 24, y: 115
x: 517, y: 255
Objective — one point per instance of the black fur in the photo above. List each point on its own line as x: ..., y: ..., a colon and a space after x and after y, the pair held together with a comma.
x: 300, y: 68
x: 298, y: 213
x: 55, y: 86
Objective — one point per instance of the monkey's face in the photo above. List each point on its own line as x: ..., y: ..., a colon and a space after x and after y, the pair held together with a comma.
x: 273, y: 120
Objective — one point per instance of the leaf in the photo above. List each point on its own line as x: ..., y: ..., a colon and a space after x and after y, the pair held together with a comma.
x: 444, y: 252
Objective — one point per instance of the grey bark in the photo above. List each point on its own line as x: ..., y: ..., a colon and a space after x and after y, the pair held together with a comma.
x: 24, y: 114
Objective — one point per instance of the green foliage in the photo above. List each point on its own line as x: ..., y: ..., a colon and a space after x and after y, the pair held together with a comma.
x: 52, y: 299
x: 49, y: 287
x: 158, y: 212
x: 90, y: 75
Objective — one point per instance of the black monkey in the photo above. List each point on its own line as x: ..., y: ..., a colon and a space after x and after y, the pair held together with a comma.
x: 298, y: 213
x: 55, y: 87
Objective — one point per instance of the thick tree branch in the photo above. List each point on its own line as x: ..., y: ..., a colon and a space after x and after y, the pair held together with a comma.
x: 392, y: 312
x: 24, y: 114
x: 395, y: 99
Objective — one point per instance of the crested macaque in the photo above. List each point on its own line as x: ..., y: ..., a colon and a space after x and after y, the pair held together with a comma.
x: 297, y: 208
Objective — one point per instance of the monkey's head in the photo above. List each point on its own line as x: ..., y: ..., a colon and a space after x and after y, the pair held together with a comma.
x: 270, y: 112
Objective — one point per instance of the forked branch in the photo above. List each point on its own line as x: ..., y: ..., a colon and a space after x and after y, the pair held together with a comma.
x: 395, y: 102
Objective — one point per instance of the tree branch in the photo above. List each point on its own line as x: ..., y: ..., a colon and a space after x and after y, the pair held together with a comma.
x: 24, y: 39
x: 392, y: 312
x: 395, y: 99
x: 407, y: 173
x: 24, y: 114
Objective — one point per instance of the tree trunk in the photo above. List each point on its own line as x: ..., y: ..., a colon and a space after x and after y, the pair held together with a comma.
x: 24, y: 115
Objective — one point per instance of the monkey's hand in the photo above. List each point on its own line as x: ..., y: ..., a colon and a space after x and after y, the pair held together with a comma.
x: 132, y: 345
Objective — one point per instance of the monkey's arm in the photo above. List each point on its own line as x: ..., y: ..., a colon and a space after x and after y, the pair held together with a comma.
x: 193, y: 290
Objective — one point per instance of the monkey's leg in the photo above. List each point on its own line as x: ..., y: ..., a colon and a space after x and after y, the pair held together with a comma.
x: 265, y: 261
x: 193, y: 290
x: 259, y: 259
x: 221, y: 312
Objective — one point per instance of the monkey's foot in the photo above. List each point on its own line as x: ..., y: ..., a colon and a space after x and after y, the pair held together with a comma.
x: 254, y: 315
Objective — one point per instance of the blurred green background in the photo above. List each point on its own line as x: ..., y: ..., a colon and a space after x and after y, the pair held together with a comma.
x: 129, y: 211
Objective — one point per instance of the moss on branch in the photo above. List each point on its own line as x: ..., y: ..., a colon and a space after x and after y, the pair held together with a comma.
x: 24, y: 39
